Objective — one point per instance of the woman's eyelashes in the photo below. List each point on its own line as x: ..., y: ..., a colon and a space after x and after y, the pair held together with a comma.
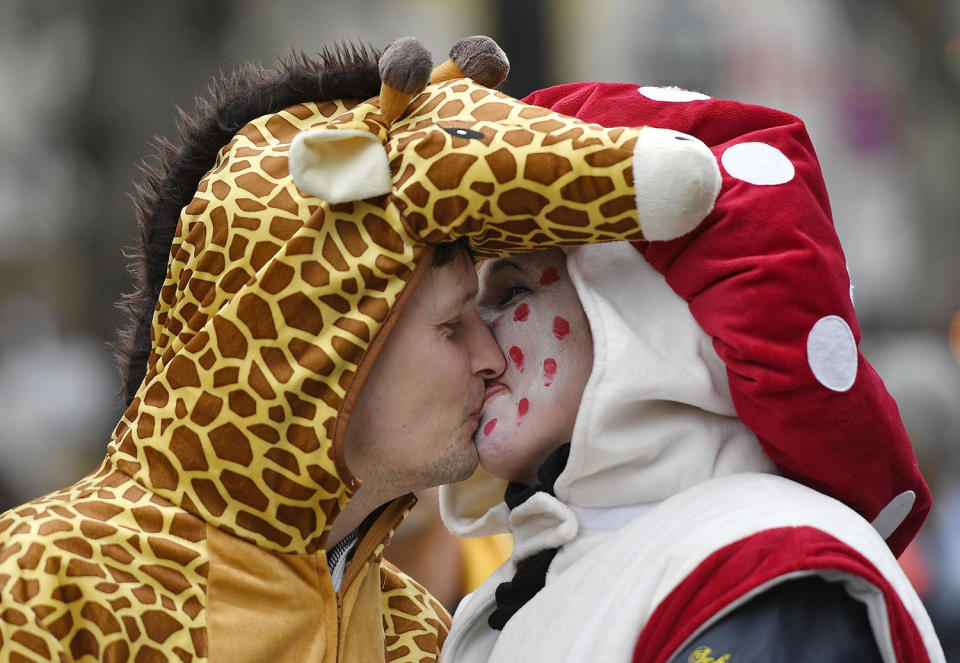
x: 510, y: 293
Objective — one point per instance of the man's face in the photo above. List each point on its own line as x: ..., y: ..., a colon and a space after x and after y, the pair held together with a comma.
x: 414, y: 420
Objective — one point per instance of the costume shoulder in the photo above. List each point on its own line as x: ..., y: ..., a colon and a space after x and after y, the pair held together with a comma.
x: 741, y: 587
x: 805, y: 619
x: 414, y: 623
x: 101, y: 568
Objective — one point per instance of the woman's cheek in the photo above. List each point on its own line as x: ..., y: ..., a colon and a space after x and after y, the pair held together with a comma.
x: 534, y: 356
x: 531, y: 337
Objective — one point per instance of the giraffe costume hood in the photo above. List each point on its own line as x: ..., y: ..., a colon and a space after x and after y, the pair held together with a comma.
x: 203, y: 535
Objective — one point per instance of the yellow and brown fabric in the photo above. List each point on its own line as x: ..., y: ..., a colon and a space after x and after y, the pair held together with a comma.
x: 202, y: 536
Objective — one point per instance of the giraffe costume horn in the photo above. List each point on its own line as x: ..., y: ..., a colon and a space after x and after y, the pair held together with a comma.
x: 478, y: 58
x: 404, y: 71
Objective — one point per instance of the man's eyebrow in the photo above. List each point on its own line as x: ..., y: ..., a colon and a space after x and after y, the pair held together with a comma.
x: 453, y: 306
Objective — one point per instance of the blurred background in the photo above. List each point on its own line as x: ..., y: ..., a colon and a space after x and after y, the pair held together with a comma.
x: 85, y: 87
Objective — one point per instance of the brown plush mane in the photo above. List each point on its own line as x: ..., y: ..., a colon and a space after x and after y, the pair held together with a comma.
x: 171, y: 176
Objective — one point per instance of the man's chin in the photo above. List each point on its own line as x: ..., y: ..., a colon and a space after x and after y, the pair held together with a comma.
x: 471, y: 455
x: 466, y: 473
x: 461, y: 467
x: 463, y: 459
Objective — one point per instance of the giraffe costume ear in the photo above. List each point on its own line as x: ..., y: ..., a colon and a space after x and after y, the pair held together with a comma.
x: 340, y: 165
x: 349, y: 162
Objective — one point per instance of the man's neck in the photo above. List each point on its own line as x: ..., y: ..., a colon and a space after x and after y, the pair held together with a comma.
x: 350, y: 517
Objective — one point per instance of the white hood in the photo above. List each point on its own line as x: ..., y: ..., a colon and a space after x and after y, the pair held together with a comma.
x: 656, y: 415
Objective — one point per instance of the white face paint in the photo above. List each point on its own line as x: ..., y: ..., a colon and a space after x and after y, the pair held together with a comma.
x: 535, y: 314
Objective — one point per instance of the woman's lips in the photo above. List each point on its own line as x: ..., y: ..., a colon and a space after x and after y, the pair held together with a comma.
x: 494, y: 389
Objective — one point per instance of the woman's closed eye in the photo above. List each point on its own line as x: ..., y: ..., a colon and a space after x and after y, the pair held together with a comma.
x: 451, y: 327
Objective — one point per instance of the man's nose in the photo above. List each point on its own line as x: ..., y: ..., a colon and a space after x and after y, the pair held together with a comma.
x: 487, y: 359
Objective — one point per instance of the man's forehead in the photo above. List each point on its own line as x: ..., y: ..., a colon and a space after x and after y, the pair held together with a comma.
x: 447, y: 288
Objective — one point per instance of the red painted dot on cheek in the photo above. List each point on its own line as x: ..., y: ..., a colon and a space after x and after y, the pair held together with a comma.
x: 560, y: 327
x: 523, y: 406
x: 549, y: 276
x: 549, y: 371
x: 521, y: 312
x: 516, y: 356
x: 488, y: 428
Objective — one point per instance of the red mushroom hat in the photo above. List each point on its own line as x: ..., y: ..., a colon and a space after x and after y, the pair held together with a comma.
x: 765, y: 276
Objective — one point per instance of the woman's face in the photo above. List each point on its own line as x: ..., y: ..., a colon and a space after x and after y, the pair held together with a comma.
x: 535, y: 314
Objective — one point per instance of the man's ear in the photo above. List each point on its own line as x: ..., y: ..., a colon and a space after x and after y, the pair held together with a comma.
x: 340, y: 165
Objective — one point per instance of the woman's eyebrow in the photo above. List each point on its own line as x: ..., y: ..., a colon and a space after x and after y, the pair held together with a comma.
x: 501, y: 264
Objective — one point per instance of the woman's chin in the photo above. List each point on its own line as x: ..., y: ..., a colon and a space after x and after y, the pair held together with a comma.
x: 493, y: 450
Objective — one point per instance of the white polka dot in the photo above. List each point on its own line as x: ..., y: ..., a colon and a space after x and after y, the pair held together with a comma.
x: 671, y: 94
x: 832, y: 353
x: 757, y: 163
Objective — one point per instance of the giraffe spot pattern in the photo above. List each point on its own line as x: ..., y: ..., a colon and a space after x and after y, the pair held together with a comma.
x: 528, y: 172
x: 448, y: 171
x: 131, y: 568
x: 407, y: 638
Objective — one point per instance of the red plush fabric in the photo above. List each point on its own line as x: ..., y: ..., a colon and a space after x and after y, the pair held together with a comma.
x: 731, y: 572
x: 759, y: 273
